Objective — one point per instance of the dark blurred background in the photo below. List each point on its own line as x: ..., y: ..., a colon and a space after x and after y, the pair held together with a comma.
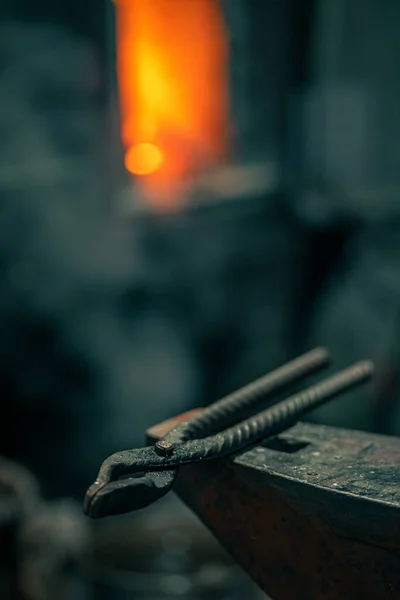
x: 114, y: 317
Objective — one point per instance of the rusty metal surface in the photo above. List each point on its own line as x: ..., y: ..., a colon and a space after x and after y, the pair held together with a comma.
x: 312, y: 514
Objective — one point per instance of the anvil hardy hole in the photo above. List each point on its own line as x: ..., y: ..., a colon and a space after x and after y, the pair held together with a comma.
x: 283, y: 445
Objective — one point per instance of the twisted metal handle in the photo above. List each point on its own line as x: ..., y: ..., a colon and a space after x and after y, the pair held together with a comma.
x: 269, y: 422
x: 235, y: 406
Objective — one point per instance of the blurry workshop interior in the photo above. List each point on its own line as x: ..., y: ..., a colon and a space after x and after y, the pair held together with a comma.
x: 193, y: 192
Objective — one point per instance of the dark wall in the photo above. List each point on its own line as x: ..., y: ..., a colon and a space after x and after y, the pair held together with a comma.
x: 84, y: 17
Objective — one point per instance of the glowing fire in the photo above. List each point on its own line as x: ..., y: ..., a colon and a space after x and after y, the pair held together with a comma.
x: 143, y: 158
x: 173, y: 82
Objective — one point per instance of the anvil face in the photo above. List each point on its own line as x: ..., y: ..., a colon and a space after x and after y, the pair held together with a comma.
x: 313, y: 513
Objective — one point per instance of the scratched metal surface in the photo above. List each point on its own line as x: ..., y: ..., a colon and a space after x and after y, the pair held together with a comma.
x: 354, y: 462
x: 351, y: 479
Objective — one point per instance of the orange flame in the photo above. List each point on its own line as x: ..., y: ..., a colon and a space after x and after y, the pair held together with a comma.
x: 173, y: 82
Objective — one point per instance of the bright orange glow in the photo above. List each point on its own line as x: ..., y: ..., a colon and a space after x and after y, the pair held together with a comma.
x: 173, y: 82
x: 143, y: 159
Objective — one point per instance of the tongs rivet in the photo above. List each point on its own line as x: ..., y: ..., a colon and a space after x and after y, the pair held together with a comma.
x: 164, y: 448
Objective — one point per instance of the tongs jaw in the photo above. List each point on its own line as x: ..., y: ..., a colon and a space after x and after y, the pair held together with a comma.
x: 105, y: 498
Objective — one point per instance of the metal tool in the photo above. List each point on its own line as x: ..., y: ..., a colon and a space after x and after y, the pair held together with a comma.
x: 149, y: 473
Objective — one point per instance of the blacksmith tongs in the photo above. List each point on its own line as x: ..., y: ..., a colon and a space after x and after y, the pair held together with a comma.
x: 132, y: 479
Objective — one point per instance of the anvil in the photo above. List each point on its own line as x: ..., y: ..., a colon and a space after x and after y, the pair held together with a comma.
x: 311, y: 514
